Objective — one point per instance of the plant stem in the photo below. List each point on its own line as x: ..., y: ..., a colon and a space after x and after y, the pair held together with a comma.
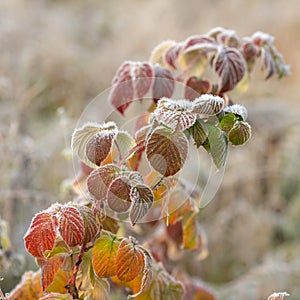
x: 72, y: 289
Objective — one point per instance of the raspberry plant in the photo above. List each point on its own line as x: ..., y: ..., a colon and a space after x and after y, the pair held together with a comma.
x: 79, y: 245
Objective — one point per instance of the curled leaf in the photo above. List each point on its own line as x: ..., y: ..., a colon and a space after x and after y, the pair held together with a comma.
x: 240, y: 133
x: 237, y: 109
x: 142, y: 199
x: 208, y: 104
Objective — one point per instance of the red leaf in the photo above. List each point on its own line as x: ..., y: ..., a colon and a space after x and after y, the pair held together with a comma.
x: 196, y: 87
x: 99, y: 146
x: 122, y: 92
x: 99, y: 180
x: 49, y: 269
x: 249, y: 50
x: 167, y: 151
x: 268, y: 62
x: 71, y: 226
x: 130, y: 261
x: 118, y: 195
x: 164, y: 83
x: 104, y: 255
x: 198, y: 40
x: 41, y: 233
x: 142, y: 199
x: 142, y: 75
x: 172, y: 54
x: 91, y: 225
x: 230, y: 66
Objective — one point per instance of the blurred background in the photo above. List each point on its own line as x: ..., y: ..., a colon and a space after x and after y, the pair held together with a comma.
x: 56, y: 56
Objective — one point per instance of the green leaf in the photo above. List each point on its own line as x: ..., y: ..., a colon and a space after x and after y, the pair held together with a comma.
x: 228, y: 122
x: 82, y: 135
x: 123, y: 143
x: 240, y: 133
x: 199, y: 132
x: 166, y: 151
x: 238, y: 110
x: 218, y: 145
x: 104, y: 255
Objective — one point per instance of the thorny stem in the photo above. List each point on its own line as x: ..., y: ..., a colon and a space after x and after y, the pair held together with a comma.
x: 71, y: 286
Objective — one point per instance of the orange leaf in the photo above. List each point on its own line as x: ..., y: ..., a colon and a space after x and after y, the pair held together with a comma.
x: 130, y: 261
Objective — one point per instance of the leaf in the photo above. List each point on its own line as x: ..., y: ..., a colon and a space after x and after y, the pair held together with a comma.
x: 41, y: 234
x: 142, y: 199
x: 228, y: 121
x: 122, y: 92
x: 208, y: 105
x: 91, y: 224
x: 99, y: 146
x: 157, y: 55
x: 82, y: 135
x: 99, y: 180
x: 118, y: 195
x: 164, y: 83
x: 130, y: 261
x: 110, y: 224
x: 124, y: 142
x: 190, y: 231
x: 237, y: 109
x: 99, y: 291
x: 240, y: 133
x: 218, y: 145
x: 29, y: 288
x: 49, y: 269
x: 104, y: 255
x: 199, y: 132
x: 147, y: 275
x: 142, y: 74
x: 71, y: 226
x: 55, y: 296
x: 172, y: 54
x: 60, y: 281
x: 166, y: 151
x: 230, y: 66
x: 195, y: 87
x: 177, y: 115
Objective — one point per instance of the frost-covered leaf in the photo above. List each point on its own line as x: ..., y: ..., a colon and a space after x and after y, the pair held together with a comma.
x: 91, y: 224
x: 99, y: 146
x: 199, y: 132
x: 164, y: 83
x: 157, y: 55
x: 228, y: 121
x: 130, y: 261
x: 230, y: 66
x: 122, y: 92
x: 268, y: 62
x: 55, y: 296
x: 278, y: 296
x: 218, y: 145
x: 99, y: 291
x: 59, y: 282
x: 172, y: 54
x: 237, y: 109
x: 142, y: 75
x: 110, y: 224
x: 208, y: 104
x: 145, y: 279
x: 195, y: 87
x: 142, y: 199
x: 166, y: 151
x: 41, y: 233
x: 104, y: 255
x: 100, y: 179
x: 82, y: 135
x: 175, y: 114
x: 240, y: 133
x: 71, y: 226
x: 29, y: 288
x: 49, y: 269
x: 124, y: 142
x: 118, y: 195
